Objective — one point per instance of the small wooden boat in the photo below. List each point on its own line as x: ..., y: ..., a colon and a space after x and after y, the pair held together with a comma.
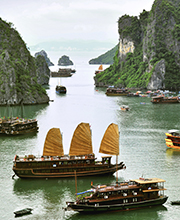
x: 173, y: 139
x: 125, y: 108
x: 134, y: 194
x: 54, y: 164
x: 175, y: 202
x: 61, y: 89
x: 100, y: 69
x: 22, y: 212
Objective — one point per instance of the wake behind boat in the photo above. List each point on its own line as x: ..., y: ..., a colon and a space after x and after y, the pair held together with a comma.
x: 54, y: 164
x: 134, y: 194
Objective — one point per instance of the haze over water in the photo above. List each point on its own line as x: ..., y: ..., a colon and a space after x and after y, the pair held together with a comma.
x: 142, y: 147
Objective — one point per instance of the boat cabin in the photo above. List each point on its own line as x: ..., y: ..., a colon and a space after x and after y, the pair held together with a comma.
x: 125, y: 192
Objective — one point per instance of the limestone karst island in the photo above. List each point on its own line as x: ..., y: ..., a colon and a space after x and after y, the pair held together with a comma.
x: 21, y: 75
x: 148, y: 51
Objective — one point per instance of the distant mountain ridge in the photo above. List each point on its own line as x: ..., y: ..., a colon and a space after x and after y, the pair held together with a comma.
x: 106, y: 58
x: 73, y: 45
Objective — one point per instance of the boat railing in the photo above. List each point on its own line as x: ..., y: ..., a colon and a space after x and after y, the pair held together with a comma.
x: 51, y: 158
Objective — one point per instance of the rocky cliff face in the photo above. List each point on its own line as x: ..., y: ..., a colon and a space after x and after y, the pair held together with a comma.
x: 44, y: 54
x: 159, y: 33
x: 64, y: 61
x: 43, y: 71
x: 18, y: 72
x: 149, y: 50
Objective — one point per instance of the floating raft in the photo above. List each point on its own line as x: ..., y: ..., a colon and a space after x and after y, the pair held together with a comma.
x: 21, y: 212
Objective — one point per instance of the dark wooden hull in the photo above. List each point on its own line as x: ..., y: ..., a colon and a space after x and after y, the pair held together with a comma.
x: 116, y: 207
x: 65, y: 172
x: 22, y: 212
x: 60, y: 92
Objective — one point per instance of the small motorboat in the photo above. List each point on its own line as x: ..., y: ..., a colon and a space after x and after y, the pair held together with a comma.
x: 124, y: 108
x: 22, y: 212
x: 175, y: 202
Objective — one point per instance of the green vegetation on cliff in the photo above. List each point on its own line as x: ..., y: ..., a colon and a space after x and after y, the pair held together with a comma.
x: 18, y: 77
x: 156, y: 37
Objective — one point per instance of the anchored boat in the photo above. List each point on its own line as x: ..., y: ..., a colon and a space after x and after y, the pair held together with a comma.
x: 54, y: 164
x: 134, y: 194
x: 173, y: 139
x: 165, y: 100
x: 63, y: 72
x: 17, y: 125
x: 112, y: 91
x: 61, y: 89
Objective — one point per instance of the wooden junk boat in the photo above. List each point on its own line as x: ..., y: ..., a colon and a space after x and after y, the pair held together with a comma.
x: 63, y: 72
x: 81, y: 159
x: 134, y: 194
x: 17, y: 125
x: 112, y: 91
x: 163, y: 100
x: 173, y: 139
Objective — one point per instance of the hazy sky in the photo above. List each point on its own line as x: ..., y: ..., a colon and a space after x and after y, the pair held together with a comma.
x: 43, y: 20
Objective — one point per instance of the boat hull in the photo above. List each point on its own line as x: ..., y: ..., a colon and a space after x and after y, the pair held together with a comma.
x: 172, y: 144
x: 116, y: 207
x: 57, y: 173
x: 116, y: 94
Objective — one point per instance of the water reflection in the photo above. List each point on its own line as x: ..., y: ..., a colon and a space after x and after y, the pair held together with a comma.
x: 173, y: 152
x: 27, y: 111
x: 30, y: 186
x: 155, y: 213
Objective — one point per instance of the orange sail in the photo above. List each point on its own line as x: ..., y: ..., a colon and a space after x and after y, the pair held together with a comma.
x: 81, y: 143
x: 53, y: 144
x: 100, y: 67
x: 110, y: 140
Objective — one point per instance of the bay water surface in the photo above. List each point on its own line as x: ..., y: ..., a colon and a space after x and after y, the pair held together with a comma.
x: 142, y: 147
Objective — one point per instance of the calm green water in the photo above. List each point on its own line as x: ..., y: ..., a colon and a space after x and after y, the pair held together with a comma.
x: 142, y: 148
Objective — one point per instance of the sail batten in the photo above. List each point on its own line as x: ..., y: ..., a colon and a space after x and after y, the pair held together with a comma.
x: 110, y: 140
x: 81, y: 143
x: 53, y: 144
